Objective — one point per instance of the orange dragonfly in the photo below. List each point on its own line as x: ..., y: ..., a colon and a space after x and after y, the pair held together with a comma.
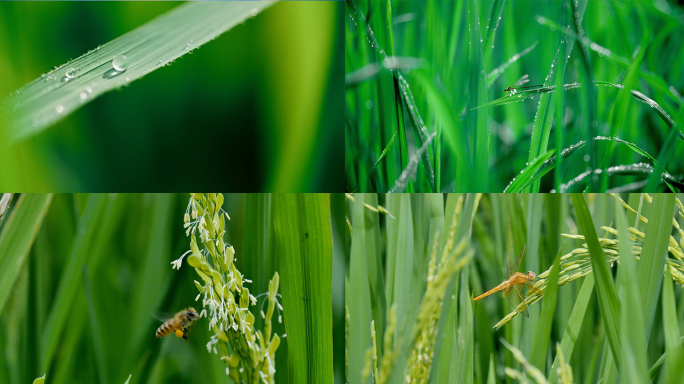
x: 513, y: 286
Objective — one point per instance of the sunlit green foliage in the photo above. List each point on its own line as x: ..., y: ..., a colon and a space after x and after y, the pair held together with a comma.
x: 262, y: 99
x: 609, y: 71
x: 606, y: 326
x: 84, y: 275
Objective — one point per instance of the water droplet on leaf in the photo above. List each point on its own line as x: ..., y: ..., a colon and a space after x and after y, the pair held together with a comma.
x: 120, y: 63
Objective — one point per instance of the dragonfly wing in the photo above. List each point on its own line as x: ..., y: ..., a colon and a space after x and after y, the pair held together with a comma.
x: 517, y: 262
x: 531, y: 289
x: 524, y: 311
x: 512, y: 294
x: 521, y: 81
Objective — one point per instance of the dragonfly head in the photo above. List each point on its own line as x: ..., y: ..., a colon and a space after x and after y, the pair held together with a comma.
x: 531, y: 275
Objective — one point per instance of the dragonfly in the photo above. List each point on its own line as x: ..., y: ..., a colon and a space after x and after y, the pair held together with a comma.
x: 519, y: 85
x: 513, y: 286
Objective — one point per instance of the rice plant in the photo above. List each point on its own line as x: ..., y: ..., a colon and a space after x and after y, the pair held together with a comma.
x: 83, y: 276
x: 602, y: 309
x: 212, y: 83
x: 431, y: 97
x: 57, y: 93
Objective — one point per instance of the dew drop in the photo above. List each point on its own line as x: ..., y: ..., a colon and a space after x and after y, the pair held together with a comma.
x: 59, y: 109
x: 83, y: 96
x: 71, y: 73
x: 255, y: 11
x: 120, y: 63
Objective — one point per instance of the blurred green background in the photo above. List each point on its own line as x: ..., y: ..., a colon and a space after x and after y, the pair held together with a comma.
x: 471, y: 51
x: 257, y: 109
x: 115, y: 252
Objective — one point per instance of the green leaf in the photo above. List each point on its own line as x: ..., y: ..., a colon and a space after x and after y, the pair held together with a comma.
x: 633, y: 341
x: 534, y: 171
x: 543, y: 329
x: 304, y: 242
x: 653, y: 255
x: 17, y: 237
x: 608, y: 300
x: 154, y: 45
x: 654, y: 80
x: 478, y: 120
x: 455, y: 137
x: 574, y: 324
x: 149, y: 278
x: 673, y: 348
x: 525, y: 94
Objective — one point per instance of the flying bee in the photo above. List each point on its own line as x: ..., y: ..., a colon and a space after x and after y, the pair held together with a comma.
x: 179, y: 324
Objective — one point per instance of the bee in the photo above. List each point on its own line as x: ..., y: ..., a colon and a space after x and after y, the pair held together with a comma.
x: 179, y: 324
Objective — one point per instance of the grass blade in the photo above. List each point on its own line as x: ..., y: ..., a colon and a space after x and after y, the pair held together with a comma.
x: 494, y: 75
x: 542, y: 122
x: 533, y: 172
x: 304, y: 239
x: 650, y: 275
x: 633, y: 355
x: 60, y: 92
x: 673, y: 348
x: 478, y: 121
x: 455, y: 138
x: 525, y: 94
x: 69, y: 282
x: 653, y: 79
x: 543, y: 330
x: 407, y: 174
x: 494, y: 20
x: 17, y: 237
x: 574, y: 323
x: 608, y: 299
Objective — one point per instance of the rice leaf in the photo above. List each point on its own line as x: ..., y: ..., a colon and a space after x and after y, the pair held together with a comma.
x: 543, y: 329
x: 530, y: 174
x: 304, y: 239
x: 154, y: 45
x: 650, y: 275
x: 673, y: 349
x: 633, y: 341
x: 357, y: 291
x: 455, y: 138
x: 69, y: 282
x: 479, y: 120
x: 574, y: 323
x: 607, y: 295
x: 17, y: 237
x: 525, y: 94
x: 654, y: 368
x: 498, y: 71
x: 410, y: 170
x: 653, y: 79
x: 371, y: 70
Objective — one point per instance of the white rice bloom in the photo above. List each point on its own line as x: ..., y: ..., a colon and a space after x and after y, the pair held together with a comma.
x: 176, y: 264
x: 212, y: 342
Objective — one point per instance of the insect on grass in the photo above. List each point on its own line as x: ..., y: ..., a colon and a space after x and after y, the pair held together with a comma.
x: 518, y: 85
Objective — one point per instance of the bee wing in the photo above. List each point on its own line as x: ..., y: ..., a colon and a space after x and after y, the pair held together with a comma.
x: 162, y: 316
